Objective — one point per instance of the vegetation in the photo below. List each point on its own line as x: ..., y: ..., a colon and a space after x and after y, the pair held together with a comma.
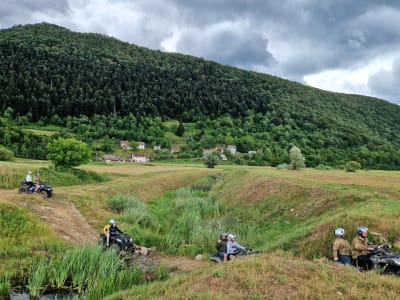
x: 68, y: 152
x: 91, y: 270
x: 296, y: 159
x: 52, y: 76
x: 5, y: 154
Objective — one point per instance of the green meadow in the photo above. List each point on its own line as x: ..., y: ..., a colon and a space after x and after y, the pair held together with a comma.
x: 180, y: 209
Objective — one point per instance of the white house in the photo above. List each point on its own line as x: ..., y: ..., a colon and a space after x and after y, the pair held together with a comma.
x: 139, y: 158
x: 141, y: 145
x: 231, y: 149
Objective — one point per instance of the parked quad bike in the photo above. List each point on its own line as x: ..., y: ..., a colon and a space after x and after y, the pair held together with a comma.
x: 383, y: 259
x: 45, y: 190
x: 240, y: 253
x: 119, y: 242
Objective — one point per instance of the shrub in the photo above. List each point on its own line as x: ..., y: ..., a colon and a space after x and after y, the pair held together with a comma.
x: 352, y: 166
x: 296, y: 159
x: 6, y: 154
x: 283, y: 166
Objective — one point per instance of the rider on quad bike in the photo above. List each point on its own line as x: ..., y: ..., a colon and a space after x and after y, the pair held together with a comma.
x: 119, y: 240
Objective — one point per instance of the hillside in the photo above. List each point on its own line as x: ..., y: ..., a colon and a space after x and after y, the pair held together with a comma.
x: 50, y: 73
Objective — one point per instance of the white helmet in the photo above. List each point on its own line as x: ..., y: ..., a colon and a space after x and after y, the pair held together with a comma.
x: 29, y: 172
x: 339, y: 232
x: 232, y: 236
x: 113, y: 222
x: 361, y: 229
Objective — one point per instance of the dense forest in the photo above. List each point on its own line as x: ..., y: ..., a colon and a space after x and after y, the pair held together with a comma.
x: 100, y: 88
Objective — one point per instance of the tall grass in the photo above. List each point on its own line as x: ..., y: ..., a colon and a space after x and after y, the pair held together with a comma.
x: 5, y: 286
x: 88, y: 270
x: 11, y: 176
x: 38, y: 277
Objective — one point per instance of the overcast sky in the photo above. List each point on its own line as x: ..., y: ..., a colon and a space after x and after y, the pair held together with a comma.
x: 350, y: 46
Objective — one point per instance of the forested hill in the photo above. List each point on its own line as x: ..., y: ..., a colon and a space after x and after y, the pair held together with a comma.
x: 47, y: 70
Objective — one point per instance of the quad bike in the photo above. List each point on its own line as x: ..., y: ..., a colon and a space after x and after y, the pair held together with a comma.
x: 119, y: 242
x: 240, y: 253
x: 383, y: 259
x: 45, y: 190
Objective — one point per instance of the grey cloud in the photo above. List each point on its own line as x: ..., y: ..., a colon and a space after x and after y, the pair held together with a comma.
x: 228, y: 47
x: 20, y: 12
x: 387, y: 83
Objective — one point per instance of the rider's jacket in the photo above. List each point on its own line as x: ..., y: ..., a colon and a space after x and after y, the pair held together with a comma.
x: 340, y: 246
x: 221, y: 246
x: 112, y: 230
x: 360, y: 246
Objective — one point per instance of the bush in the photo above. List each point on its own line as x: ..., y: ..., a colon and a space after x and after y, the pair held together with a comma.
x: 352, y: 166
x: 6, y: 154
x: 283, y: 166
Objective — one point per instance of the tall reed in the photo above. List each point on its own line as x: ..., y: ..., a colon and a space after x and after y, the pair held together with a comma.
x: 5, y: 286
x: 38, y: 277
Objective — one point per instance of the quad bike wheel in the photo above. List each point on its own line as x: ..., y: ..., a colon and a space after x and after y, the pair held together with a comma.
x: 22, y: 190
x: 44, y: 194
x: 115, y: 247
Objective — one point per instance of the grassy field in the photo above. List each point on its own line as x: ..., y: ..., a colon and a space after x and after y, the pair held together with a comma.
x: 290, y: 215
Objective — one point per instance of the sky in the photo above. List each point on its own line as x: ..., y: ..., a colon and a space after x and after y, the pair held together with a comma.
x: 350, y: 46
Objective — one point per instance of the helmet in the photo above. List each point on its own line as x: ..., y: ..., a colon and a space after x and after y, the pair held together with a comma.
x: 232, y: 236
x: 361, y: 229
x: 339, y: 232
x: 29, y: 172
x: 223, y: 234
x: 113, y: 222
x: 37, y: 174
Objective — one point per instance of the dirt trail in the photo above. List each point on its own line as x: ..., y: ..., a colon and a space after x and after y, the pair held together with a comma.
x: 63, y: 217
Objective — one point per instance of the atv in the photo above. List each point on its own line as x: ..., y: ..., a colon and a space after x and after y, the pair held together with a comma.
x: 119, y: 242
x: 240, y: 253
x: 45, y: 190
x: 383, y: 259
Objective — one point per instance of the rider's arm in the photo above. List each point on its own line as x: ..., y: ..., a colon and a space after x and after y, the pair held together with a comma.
x: 335, y: 248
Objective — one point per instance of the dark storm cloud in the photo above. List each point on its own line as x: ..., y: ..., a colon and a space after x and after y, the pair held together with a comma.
x: 229, y: 47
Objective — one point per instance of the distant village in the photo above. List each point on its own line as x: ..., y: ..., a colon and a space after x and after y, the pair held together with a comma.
x: 141, y: 157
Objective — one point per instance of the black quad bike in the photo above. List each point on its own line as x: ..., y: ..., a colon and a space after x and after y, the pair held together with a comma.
x: 45, y: 190
x: 119, y: 242
x: 384, y: 259
x: 239, y: 253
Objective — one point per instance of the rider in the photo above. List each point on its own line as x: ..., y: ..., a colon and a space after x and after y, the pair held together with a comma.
x: 28, y: 179
x: 341, y: 248
x: 111, y: 229
x: 233, y: 247
x: 222, y: 246
x: 36, y: 182
x: 361, y: 248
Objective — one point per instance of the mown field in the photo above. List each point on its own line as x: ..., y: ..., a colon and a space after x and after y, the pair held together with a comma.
x: 180, y: 209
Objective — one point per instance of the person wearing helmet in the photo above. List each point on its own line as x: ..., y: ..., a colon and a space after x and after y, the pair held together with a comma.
x: 111, y: 229
x: 28, y: 180
x: 222, y: 246
x: 361, y: 249
x: 341, y: 248
x: 233, y: 247
x: 36, y: 183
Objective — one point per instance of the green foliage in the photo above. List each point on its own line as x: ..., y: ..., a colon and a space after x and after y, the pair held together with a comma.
x: 296, y: 159
x: 68, y: 152
x: 180, y: 130
x: 121, y: 91
x: 211, y: 160
x: 6, y: 154
x: 352, y: 166
x: 5, y: 286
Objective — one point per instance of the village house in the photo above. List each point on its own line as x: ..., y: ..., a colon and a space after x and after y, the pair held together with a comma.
x: 231, y: 149
x: 141, y: 145
x: 175, y: 149
x: 157, y: 148
x: 125, y: 145
x: 110, y: 158
x: 139, y: 157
